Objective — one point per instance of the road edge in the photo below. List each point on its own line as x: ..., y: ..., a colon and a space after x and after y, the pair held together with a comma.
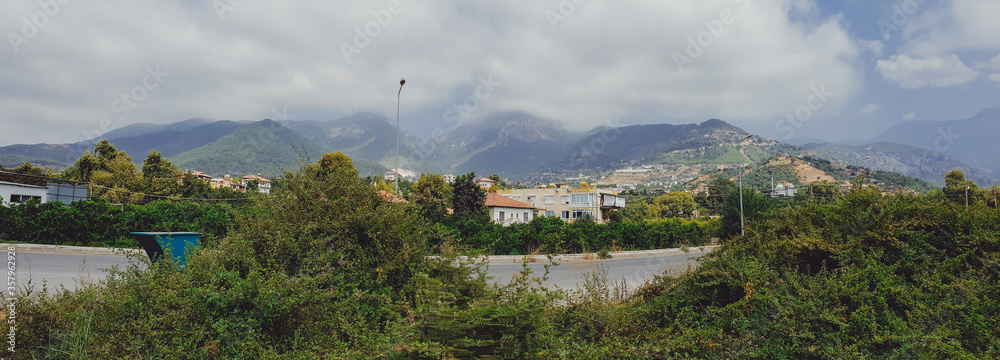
x: 75, y: 250
x: 517, y: 259
x: 493, y: 259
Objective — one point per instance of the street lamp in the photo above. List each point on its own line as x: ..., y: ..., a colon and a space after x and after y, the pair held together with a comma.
x: 396, y: 177
x: 742, y: 233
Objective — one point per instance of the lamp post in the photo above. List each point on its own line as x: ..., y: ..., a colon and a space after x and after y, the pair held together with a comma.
x: 742, y: 233
x: 396, y: 175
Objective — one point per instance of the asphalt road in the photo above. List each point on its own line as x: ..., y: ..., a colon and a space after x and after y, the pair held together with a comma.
x: 56, y: 270
x: 70, y: 270
x: 628, y: 273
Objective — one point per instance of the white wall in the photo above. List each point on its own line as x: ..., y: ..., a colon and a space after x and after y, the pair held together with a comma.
x: 7, y: 189
x: 511, y: 215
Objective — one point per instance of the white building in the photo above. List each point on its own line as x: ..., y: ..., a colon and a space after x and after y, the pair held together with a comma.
x: 783, y: 190
x: 14, y: 193
x: 449, y: 178
x: 389, y: 176
x: 568, y: 203
x: 263, y: 185
x: 506, y: 211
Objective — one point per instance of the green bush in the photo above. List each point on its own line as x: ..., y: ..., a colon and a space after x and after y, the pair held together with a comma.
x: 97, y: 223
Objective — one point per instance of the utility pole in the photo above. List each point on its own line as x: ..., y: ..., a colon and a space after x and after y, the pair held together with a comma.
x: 742, y: 233
x: 966, y: 197
x: 396, y: 177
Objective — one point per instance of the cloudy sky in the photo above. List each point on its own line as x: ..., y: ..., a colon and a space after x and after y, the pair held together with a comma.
x: 782, y: 68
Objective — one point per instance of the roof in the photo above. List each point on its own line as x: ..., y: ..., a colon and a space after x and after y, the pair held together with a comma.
x: 484, y: 180
x: 497, y: 200
x: 255, y: 177
x: 22, y: 185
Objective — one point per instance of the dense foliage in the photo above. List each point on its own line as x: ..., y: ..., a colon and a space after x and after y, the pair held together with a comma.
x: 98, y: 223
x: 327, y: 269
x: 549, y: 235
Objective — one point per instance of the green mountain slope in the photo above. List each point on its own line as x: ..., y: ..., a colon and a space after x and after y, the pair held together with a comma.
x: 366, y: 136
x: 264, y: 147
x: 709, y: 143
x: 12, y: 161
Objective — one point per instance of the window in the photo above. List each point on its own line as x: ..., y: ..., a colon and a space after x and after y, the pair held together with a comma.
x: 565, y: 214
x: 525, y: 217
x: 564, y: 199
x: 550, y: 199
x: 532, y: 199
x: 578, y: 213
x: 581, y: 198
x: 501, y: 216
x: 517, y: 197
x: 23, y: 198
x: 550, y: 214
x: 534, y: 216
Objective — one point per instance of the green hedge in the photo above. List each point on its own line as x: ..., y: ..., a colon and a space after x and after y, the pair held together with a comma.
x: 95, y: 223
x: 552, y: 235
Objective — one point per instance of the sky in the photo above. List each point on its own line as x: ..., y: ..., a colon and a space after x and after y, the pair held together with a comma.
x: 850, y: 69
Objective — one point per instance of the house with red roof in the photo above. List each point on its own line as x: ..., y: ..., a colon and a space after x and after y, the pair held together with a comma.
x: 506, y: 211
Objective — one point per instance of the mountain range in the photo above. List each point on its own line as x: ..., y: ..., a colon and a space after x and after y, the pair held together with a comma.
x: 519, y: 145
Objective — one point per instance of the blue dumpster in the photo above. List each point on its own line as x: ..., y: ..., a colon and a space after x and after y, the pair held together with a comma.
x: 178, y: 242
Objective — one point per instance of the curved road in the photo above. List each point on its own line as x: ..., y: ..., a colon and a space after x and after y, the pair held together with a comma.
x: 70, y: 270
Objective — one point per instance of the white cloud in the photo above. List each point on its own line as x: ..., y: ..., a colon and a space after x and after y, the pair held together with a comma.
x: 994, y: 77
x: 605, y: 60
x: 912, y: 73
x: 871, y: 108
x: 958, y: 25
x: 910, y: 116
x: 993, y: 64
x: 874, y: 46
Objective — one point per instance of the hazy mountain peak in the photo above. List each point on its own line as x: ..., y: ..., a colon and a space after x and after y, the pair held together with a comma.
x: 715, y: 123
x: 988, y: 114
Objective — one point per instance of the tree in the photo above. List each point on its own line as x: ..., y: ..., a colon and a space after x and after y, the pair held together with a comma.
x: 754, y: 205
x: 337, y: 161
x: 193, y: 187
x: 432, y: 194
x: 120, y: 182
x: 955, y: 187
x: 717, y: 191
x: 497, y: 181
x: 113, y: 173
x: 636, y: 211
x: 820, y: 192
x: 675, y: 204
x: 159, y: 175
x: 28, y: 169
x: 468, y: 199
